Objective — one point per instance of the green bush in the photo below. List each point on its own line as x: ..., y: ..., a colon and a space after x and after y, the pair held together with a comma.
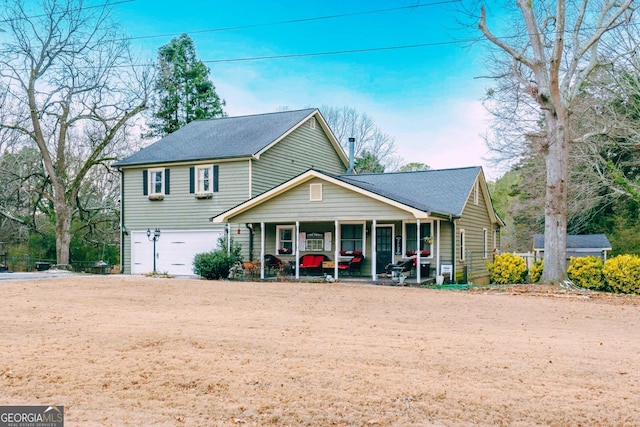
x: 536, y: 271
x: 586, y: 272
x: 622, y: 274
x: 217, y: 264
x: 507, y: 269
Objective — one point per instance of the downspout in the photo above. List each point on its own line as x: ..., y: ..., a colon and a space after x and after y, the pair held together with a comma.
x: 123, y: 229
x: 250, y: 228
x: 453, y: 249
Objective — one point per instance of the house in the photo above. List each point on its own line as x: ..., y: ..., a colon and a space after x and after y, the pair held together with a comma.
x: 205, y: 168
x: 442, y: 219
x: 578, y: 245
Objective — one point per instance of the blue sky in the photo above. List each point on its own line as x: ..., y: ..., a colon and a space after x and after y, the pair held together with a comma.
x: 428, y: 98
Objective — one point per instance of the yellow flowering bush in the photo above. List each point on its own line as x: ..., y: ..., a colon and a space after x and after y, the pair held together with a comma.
x: 622, y: 274
x: 507, y: 269
x: 586, y: 272
x: 535, y: 272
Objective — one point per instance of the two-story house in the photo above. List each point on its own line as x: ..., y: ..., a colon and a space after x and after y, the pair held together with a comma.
x: 207, y: 167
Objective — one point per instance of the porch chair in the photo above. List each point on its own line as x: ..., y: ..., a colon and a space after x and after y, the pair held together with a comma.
x: 353, y: 265
x: 272, y: 261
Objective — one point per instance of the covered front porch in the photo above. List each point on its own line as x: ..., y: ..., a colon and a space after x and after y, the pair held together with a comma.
x: 389, y: 251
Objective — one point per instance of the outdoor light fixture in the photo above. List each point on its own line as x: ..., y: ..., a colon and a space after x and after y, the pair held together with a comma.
x: 154, y: 237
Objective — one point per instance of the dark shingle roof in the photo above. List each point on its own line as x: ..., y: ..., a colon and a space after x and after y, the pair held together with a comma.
x: 222, y: 138
x: 442, y: 191
x: 577, y: 241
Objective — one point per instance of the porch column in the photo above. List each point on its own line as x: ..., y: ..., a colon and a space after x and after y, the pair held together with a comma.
x: 374, y: 262
x: 297, y: 250
x: 336, y: 241
x: 418, y: 250
x: 262, y: 250
x: 438, y: 247
x: 228, y: 237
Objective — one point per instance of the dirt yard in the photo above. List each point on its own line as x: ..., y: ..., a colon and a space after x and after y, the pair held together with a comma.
x: 131, y: 351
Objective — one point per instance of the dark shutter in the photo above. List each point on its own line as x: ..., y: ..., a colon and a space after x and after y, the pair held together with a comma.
x: 215, y: 178
x: 145, y: 183
x: 192, y: 180
x: 166, y: 181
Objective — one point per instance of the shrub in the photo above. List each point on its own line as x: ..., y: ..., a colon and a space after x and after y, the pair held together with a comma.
x: 507, y: 269
x: 217, y: 264
x: 586, y: 272
x: 622, y: 274
x: 213, y: 265
x: 536, y: 271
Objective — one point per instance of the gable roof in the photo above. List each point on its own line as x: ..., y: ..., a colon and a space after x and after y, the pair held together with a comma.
x: 577, y: 241
x: 226, y: 138
x: 442, y: 191
x: 434, y: 192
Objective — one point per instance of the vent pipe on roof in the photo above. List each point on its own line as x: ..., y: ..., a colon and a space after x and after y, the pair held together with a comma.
x: 352, y: 143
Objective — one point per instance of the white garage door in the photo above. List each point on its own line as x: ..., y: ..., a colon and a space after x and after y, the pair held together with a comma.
x: 175, y: 250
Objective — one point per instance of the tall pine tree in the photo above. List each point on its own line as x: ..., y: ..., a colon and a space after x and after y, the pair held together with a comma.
x: 183, y: 89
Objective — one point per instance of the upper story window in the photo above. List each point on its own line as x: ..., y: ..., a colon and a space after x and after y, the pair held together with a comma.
x: 155, y: 183
x: 204, y: 180
x: 476, y: 193
x: 156, y: 180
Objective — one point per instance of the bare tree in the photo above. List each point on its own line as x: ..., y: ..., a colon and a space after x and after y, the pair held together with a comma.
x: 550, y: 61
x: 346, y: 122
x: 70, y: 88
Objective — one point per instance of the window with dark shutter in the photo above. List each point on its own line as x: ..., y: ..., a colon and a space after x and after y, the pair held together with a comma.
x: 166, y: 181
x: 192, y: 179
x: 215, y: 178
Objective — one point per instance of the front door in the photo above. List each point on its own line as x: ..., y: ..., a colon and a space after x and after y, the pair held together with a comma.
x: 384, y: 247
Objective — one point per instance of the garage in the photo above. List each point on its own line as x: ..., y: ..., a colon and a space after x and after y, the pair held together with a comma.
x: 175, y: 250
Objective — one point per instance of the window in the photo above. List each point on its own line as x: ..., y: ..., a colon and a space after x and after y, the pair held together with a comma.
x: 315, y: 241
x: 411, y: 241
x: 351, y: 237
x: 284, y: 239
x: 203, y: 181
x: 476, y: 192
x: 312, y: 123
x: 485, y: 243
x: 155, y: 183
x: 463, y: 248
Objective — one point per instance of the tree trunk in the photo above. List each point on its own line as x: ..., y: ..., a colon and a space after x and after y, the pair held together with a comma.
x: 555, y: 209
x: 63, y: 232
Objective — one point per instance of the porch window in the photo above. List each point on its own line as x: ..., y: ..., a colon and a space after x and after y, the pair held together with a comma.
x: 411, y: 233
x: 351, y: 237
x: 315, y: 241
x: 284, y: 239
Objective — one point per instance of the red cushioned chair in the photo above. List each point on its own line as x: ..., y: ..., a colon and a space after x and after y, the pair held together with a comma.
x: 353, y: 265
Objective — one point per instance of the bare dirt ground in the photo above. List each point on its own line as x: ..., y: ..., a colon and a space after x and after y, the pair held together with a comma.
x: 132, y: 351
